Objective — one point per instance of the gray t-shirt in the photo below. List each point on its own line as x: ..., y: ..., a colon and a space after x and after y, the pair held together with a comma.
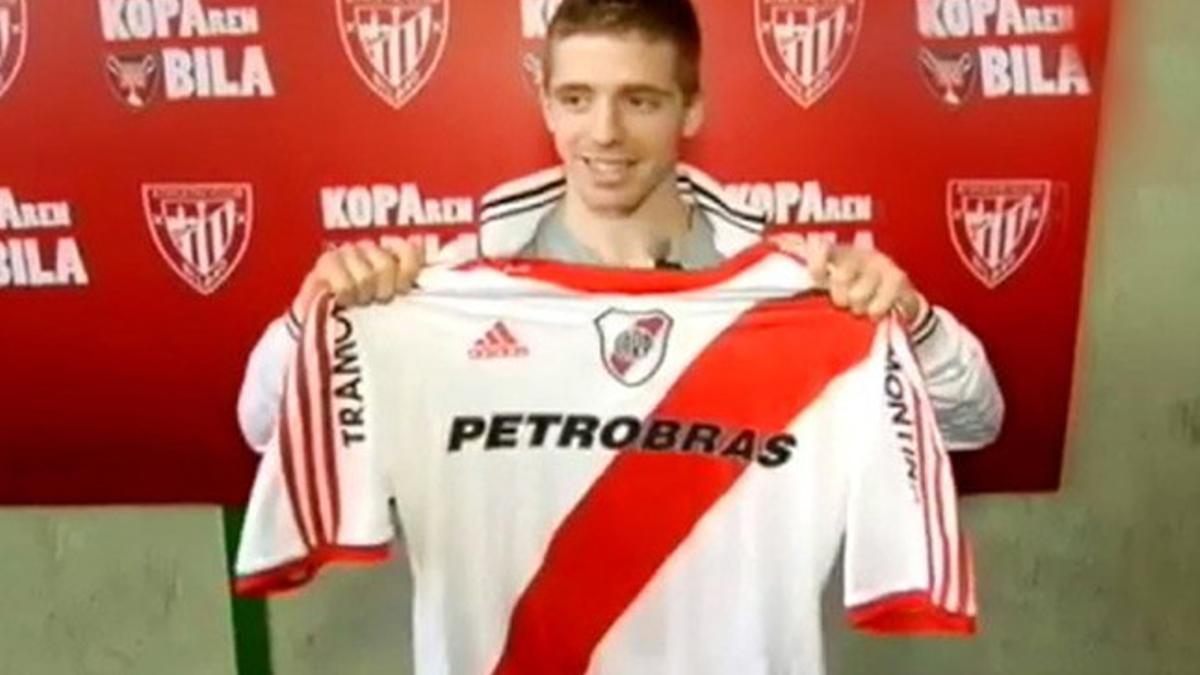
x: 553, y: 241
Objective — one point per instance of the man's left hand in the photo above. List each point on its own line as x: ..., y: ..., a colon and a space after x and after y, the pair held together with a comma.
x: 860, y: 280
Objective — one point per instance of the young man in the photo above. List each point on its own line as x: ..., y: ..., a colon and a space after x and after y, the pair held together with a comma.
x: 621, y: 90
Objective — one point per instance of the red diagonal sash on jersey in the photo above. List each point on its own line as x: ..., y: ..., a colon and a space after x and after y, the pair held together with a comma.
x: 758, y: 374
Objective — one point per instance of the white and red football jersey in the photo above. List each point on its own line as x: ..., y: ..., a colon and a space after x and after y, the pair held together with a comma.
x: 612, y: 471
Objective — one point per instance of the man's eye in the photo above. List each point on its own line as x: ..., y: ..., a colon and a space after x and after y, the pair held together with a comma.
x: 572, y: 100
x: 643, y: 103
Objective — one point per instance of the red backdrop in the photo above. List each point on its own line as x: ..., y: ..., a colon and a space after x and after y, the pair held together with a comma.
x: 170, y: 168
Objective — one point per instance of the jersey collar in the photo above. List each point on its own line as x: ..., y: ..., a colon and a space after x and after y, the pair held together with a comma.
x: 510, y: 213
x: 756, y: 267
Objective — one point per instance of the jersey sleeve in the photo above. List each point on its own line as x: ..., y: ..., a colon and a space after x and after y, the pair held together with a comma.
x: 320, y: 494
x: 907, y: 565
x: 261, y: 393
x: 967, y: 401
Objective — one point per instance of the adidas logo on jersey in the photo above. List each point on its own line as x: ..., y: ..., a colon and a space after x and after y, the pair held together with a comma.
x: 497, y: 343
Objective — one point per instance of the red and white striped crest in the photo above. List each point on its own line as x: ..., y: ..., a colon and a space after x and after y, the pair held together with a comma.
x: 14, y: 34
x: 806, y: 44
x: 395, y: 45
x: 995, y: 224
x: 201, y: 229
x: 633, y: 344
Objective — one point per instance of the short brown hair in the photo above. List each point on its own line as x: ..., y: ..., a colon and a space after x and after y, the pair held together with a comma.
x: 672, y: 20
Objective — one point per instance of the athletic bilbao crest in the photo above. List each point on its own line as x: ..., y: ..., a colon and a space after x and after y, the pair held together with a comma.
x: 394, y: 45
x: 806, y: 44
x: 949, y: 76
x: 132, y: 78
x: 13, y: 34
x: 633, y: 344
x: 201, y: 229
x: 995, y: 224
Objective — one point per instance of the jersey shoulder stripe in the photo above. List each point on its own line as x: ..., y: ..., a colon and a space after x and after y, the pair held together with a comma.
x: 710, y: 196
x: 522, y: 194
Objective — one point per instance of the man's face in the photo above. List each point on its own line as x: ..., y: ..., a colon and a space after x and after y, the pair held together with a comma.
x: 617, y: 113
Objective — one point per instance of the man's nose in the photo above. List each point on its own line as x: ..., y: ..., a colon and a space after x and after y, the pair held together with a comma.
x: 606, y: 124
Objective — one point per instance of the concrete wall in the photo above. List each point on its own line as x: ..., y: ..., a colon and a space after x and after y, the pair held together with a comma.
x: 1100, y: 578
x: 113, y: 592
x: 1094, y: 580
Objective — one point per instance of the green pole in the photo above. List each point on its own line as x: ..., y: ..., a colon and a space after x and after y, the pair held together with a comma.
x: 251, y: 635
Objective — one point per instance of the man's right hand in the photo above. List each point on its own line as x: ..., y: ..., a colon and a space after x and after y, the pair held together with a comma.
x: 363, y: 272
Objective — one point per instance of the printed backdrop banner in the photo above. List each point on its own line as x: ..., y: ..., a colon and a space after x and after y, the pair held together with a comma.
x: 169, y: 169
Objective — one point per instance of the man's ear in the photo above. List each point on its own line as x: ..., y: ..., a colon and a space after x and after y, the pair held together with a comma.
x: 693, y: 117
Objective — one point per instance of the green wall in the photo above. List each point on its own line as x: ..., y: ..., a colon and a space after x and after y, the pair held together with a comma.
x: 113, y: 592
x: 1100, y: 579
x: 1090, y: 581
